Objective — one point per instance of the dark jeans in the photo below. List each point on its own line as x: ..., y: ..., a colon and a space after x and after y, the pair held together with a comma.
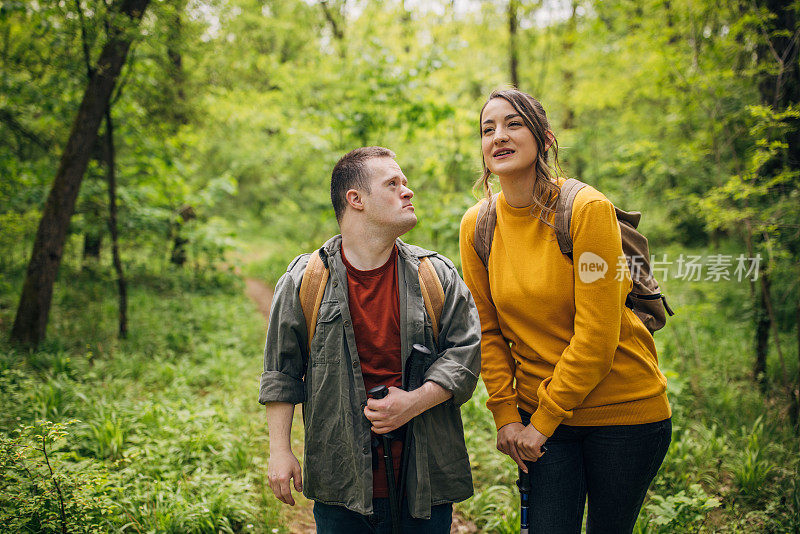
x: 612, y: 465
x: 332, y: 519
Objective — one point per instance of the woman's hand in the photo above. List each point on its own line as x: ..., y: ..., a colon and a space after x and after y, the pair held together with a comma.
x: 530, y: 443
x: 506, y: 442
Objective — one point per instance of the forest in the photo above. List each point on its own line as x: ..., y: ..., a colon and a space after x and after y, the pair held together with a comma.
x: 162, y: 161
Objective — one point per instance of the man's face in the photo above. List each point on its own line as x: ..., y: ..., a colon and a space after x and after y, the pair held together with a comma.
x: 388, y: 204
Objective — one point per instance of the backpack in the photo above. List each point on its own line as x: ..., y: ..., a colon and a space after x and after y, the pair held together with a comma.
x: 645, y: 298
x: 315, y: 277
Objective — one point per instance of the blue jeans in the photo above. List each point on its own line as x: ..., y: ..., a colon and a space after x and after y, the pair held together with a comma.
x: 333, y: 519
x: 612, y: 465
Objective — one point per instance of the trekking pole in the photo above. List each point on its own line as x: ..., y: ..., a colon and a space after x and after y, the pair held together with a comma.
x: 379, y: 392
x: 416, y: 368
x: 524, y: 485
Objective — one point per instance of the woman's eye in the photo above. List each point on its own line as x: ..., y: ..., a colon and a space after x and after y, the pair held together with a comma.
x: 487, y: 130
x: 515, y: 123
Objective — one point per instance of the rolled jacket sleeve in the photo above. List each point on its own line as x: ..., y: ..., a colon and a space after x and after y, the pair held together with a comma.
x: 286, y: 348
x: 459, y: 347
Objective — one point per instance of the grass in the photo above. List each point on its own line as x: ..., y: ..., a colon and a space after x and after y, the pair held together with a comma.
x: 162, y: 432
x: 165, y: 425
x: 733, y: 462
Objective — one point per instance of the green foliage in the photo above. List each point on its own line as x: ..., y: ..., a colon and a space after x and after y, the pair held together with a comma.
x: 161, y: 437
x: 682, y: 512
x: 43, y: 488
x: 240, y: 108
x: 731, y: 466
x: 495, y: 509
x: 752, y: 468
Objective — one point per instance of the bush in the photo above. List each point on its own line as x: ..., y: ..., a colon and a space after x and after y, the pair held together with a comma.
x: 682, y: 512
x: 46, y: 489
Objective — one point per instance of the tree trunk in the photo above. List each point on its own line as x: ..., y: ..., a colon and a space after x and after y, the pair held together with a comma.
x: 795, y: 411
x: 174, y: 46
x: 336, y: 28
x: 112, y: 225
x: 762, y: 333
x: 569, y: 74
x: 513, y: 58
x: 92, y: 242
x: 30, y: 323
x: 405, y: 25
x: 178, y: 256
x: 779, y: 88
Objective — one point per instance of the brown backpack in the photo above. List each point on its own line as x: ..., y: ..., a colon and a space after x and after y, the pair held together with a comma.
x: 312, y: 288
x: 645, y: 298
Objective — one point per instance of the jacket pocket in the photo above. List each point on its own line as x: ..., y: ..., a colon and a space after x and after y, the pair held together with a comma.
x: 325, y: 345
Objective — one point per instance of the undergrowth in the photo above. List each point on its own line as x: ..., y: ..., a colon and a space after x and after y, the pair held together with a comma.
x: 161, y: 432
x: 733, y: 462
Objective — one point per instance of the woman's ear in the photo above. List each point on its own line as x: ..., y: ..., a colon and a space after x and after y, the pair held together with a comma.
x: 354, y: 199
x: 551, y: 138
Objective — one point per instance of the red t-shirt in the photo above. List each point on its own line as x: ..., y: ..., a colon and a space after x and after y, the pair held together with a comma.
x: 375, y: 312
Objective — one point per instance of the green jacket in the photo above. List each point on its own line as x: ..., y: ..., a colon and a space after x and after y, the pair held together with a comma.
x: 338, y: 457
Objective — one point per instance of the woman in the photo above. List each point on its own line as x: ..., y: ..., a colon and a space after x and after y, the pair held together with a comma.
x: 564, y: 360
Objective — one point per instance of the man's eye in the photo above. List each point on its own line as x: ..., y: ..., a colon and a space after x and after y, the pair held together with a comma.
x: 392, y: 183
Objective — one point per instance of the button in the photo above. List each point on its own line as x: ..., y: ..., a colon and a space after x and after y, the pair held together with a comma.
x: 355, y: 364
x: 335, y: 283
x: 366, y: 449
x: 347, y: 322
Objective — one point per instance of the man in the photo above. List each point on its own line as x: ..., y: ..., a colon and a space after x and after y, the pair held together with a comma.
x: 371, y: 314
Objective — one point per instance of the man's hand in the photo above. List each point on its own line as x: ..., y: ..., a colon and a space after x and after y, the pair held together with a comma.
x: 283, y: 466
x: 507, y: 444
x: 397, y: 408
x: 529, y: 443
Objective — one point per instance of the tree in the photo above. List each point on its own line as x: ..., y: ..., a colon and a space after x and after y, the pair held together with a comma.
x: 34, y: 306
x: 513, y: 56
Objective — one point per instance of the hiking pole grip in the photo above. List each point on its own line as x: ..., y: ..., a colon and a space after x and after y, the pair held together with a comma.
x: 415, y: 370
x: 379, y: 392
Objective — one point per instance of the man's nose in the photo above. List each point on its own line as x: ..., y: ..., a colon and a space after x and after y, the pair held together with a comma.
x: 407, y: 193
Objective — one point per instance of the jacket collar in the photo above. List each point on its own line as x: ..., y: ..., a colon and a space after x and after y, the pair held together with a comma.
x: 413, y: 253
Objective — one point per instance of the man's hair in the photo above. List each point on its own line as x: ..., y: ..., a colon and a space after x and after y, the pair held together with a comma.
x: 351, y: 173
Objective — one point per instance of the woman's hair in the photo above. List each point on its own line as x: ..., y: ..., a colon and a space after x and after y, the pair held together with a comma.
x: 545, y: 190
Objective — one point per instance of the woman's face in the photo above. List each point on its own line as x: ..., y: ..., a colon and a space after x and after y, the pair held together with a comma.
x: 509, y: 148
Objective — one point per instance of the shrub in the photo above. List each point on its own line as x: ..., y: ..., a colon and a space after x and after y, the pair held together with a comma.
x: 43, y: 489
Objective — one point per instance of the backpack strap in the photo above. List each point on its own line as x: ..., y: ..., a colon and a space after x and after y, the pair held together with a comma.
x: 432, y: 293
x: 315, y: 277
x: 563, y: 216
x: 484, y: 229
x: 312, y: 288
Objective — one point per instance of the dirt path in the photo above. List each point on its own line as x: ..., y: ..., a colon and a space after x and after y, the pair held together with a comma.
x: 260, y: 293
x: 300, y: 517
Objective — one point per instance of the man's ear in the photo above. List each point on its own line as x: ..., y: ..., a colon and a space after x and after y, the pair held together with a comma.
x: 354, y: 199
x: 551, y: 138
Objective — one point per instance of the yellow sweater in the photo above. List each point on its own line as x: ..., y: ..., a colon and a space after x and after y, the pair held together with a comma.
x: 559, y: 342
